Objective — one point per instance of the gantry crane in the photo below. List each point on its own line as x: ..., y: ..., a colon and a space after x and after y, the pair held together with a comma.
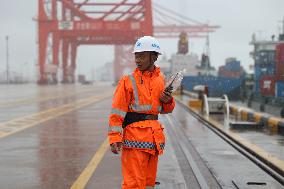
x: 64, y: 25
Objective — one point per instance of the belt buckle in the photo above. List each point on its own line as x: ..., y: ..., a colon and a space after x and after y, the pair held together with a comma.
x: 150, y: 117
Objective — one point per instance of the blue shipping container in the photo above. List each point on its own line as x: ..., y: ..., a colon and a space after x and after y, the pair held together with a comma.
x: 234, y: 66
x: 263, y: 70
x: 257, y: 72
x: 217, y: 86
x: 256, y: 87
x: 279, y: 89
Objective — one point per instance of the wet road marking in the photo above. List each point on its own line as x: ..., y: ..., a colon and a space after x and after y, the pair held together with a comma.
x: 85, y: 176
x: 19, y: 102
x: 268, y: 157
x: 2, y: 133
x: 13, y: 126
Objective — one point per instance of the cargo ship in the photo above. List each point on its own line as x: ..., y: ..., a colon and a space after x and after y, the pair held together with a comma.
x: 265, y: 85
x: 229, y: 80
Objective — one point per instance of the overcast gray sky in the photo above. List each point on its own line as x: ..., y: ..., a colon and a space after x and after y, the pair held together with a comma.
x: 238, y: 20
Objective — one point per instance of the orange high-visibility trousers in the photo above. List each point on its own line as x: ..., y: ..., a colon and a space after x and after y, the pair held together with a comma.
x: 139, y: 169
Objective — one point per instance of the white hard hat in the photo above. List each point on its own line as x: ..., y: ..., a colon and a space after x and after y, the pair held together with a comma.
x: 147, y: 43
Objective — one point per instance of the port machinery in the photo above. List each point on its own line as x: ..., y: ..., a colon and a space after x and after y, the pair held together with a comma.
x: 216, y: 105
x: 64, y: 25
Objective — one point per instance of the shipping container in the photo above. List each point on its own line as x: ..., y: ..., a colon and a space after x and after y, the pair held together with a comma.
x: 257, y: 72
x: 267, y: 85
x: 256, y: 87
x: 234, y: 66
x: 230, y: 59
x: 268, y: 69
x: 279, y: 89
x: 279, y: 67
x: 217, y: 86
x: 280, y: 52
x: 230, y: 74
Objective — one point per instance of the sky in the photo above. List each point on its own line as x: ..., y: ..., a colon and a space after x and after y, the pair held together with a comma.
x: 238, y: 19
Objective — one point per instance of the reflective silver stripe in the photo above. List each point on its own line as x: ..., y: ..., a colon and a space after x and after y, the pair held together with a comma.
x: 134, y: 88
x: 136, y: 107
x: 159, y: 108
x: 136, y: 144
x: 118, y: 112
x: 115, y: 129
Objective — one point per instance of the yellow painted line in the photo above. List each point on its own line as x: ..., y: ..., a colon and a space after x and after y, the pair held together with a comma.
x: 31, y: 100
x: 85, y: 176
x: 273, y: 121
x: 273, y: 124
x: 233, y: 110
x: 257, y: 117
x: 2, y: 133
x: 36, y: 116
x: 262, y: 153
x: 13, y: 126
x: 244, y: 115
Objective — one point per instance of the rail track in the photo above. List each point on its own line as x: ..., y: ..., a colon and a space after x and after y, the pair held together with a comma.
x: 267, y: 166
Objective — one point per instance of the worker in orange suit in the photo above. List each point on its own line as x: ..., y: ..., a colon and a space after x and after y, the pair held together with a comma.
x: 133, y: 123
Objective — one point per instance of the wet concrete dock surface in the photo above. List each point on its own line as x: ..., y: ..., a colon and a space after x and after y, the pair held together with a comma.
x: 227, y: 164
x: 261, y: 136
x: 55, y: 153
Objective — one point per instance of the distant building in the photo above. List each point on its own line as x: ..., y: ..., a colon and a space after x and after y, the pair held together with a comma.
x: 185, y: 62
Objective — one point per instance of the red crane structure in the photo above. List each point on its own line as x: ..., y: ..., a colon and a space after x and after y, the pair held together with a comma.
x: 64, y: 25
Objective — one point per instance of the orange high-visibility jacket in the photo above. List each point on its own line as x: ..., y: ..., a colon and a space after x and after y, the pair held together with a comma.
x: 139, y: 93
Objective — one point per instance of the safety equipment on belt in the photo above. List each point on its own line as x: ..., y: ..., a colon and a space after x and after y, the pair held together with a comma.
x: 147, y: 43
x: 116, y: 147
x: 132, y: 117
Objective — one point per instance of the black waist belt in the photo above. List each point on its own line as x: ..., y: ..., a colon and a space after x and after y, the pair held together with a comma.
x: 132, y: 117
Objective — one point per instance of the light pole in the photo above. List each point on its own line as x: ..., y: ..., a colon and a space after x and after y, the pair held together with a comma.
x: 7, y: 59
